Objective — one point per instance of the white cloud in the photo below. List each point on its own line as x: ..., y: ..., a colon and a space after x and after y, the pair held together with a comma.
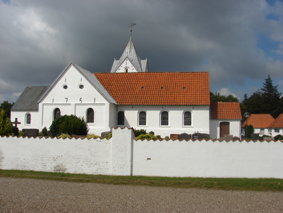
x: 226, y: 92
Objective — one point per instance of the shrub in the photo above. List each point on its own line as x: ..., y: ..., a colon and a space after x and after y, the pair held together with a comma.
x: 5, y: 125
x: 167, y: 137
x: 158, y: 137
x: 69, y: 124
x: 21, y: 134
x: 64, y: 136
x: 43, y: 132
x: 139, y: 132
x: 92, y: 136
x: 15, y: 130
x: 278, y: 137
x: 146, y: 136
x: 109, y: 136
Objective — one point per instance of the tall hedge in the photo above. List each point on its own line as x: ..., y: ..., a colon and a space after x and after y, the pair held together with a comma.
x: 69, y: 124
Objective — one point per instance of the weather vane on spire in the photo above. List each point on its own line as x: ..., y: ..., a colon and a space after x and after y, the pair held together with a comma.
x: 132, y: 24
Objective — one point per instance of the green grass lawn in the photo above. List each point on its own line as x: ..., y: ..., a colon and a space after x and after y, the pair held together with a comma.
x: 205, y: 183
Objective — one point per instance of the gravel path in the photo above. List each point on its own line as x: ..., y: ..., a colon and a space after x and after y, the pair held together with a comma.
x: 28, y: 195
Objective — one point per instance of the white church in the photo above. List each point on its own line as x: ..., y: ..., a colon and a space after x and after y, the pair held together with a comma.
x: 129, y: 96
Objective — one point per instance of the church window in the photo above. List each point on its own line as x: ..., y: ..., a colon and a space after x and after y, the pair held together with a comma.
x: 187, y: 119
x: 90, y: 115
x: 121, y: 118
x: 28, y: 118
x: 142, y: 118
x: 65, y: 86
x: 164, y: 118
x: 276, y: 130
x: 81, y: 86
x: 57, y: 113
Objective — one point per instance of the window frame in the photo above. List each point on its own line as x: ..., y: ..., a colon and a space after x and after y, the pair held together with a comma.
x: 118, y: 118
x: 161, y: 118
x: 54, y: 113
x: 28, y: 118
x: 139, y: 118
x: 184, y: 119
x: 88, y: 118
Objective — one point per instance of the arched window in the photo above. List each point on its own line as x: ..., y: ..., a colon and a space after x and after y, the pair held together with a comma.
x: 90, y: 115
x: 164, y: 118
x: 28, y: 118
x: 121, y: 118
x: 142, y: 118
x: 57, y: 113
x: 187, y: 119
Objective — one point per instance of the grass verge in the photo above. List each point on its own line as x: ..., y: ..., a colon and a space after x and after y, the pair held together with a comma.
x: 204, y: 183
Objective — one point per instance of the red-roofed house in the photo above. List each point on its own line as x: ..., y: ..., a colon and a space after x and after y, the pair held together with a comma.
x: 225, y: 119
x: 265, y: 124
x: 165, y: 103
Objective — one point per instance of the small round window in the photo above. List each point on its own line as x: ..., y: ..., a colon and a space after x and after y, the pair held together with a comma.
x: 65, y: 86
x: 81, y: 86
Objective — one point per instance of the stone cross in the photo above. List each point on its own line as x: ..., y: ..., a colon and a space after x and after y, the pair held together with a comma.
x: 16, y: 122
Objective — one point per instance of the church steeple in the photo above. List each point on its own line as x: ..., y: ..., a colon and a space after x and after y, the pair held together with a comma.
x: 129, y: 61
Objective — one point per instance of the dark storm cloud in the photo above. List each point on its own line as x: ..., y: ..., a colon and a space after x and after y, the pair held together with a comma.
x: 39, y: 38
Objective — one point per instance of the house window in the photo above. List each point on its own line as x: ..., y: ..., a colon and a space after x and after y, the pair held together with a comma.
x: 164, y: 118
x: 276, y: 130
x: 28, y: 118
x: 90, y: 115
x: 142, y: 118
x: 187, y: 119
x: 121, y: 118
x: 262, y: 131
x: 57, y: 113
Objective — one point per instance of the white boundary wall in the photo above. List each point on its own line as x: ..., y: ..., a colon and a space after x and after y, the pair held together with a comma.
x: 122, y: 155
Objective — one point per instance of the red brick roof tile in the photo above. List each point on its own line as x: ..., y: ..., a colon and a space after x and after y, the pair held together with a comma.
x: 278, y: 123
x: 169, y: 88
x: 225, y: 110
x: 259, y: 120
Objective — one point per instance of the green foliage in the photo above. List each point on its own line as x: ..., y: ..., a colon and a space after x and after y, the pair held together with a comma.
x: 248, y: 131
x: 158, y: 137
x: 214, y: 97
x: 43, y: 132
x: 69, y: 124
x: 139, y: 132
x: 5, y: 124
x: 21, y: 134
x: 146, y: 136
x: 167, y: 137
x: 15, y: 130
x: 6, y: 106
x: 278, y: 137
x: 266, y: 100
x: 92, y: 136
x: 109, y: 135
x: 64, y: 136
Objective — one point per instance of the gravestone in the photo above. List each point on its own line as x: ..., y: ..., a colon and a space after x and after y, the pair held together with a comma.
x: 105, y: 134
x: 255, y: 137
x: 31, y: 132
x: 151, y: 132
x: 184, y: 136
x: 203, y: 136
x: 174, y: 136
x: 16, y: 122
x: 228, y: 137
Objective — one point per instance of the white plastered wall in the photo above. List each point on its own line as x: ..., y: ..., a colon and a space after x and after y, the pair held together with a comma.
x: 200, y: 119
x: 234, y: 128
x: 125, y: 64
x: 76, y: 101
x: 21, y: 116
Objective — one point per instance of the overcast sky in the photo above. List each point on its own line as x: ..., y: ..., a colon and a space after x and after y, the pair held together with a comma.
x: 238, y: 42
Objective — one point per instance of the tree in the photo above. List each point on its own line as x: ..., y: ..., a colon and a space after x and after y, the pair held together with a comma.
x: 69, y: 124
x: 6, y: 106
x: 217, y: 97
x: 5, y: 125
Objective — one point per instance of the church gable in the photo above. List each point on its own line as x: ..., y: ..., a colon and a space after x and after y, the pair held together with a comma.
x: 76, y: 85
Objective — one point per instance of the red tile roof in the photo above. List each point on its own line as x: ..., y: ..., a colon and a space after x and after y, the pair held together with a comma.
x: 259, y: 120
x: 278, y: 123
x: 225, y: 110
x: 170, y: 88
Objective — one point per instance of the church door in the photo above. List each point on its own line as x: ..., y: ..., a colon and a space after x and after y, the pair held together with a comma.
x: 224, y: 129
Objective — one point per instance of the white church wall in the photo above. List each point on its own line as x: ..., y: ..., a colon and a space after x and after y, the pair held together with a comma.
x: 76, y: 101
x: 122, y: 155
x: 234, y: 128
x: 208, y: 159
x: 21, y: 117
x: 200, y: 119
